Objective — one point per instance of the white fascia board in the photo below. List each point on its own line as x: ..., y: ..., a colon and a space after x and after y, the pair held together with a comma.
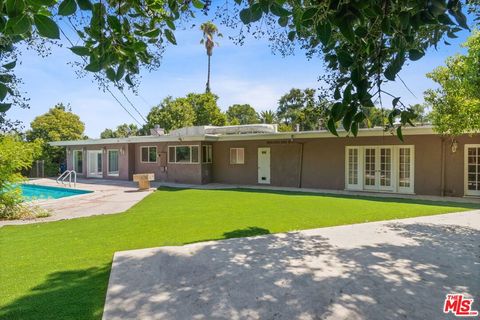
x: 141, y: 139
x: 374, y: 132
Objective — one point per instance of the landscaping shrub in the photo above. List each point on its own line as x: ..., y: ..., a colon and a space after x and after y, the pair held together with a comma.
x: 15, y: 156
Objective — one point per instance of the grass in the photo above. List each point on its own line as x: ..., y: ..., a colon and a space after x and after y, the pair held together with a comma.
x: 60, y: 270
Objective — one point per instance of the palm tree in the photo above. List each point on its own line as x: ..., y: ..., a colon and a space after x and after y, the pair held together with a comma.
x: 209, y: 31
x: 268, y: 116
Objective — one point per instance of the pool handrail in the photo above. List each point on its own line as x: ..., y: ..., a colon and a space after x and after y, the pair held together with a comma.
x: 68, y: 174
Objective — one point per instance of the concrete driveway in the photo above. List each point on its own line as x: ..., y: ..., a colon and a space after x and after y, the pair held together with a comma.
x: 383, y: 270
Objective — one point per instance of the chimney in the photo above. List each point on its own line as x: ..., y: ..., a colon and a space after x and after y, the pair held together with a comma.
x: 157, y: 131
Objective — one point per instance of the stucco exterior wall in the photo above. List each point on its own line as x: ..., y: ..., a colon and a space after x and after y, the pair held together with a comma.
x: 123, y: 160
x: 321, y: 165
x: 324, y: 162
x: 165, y: 171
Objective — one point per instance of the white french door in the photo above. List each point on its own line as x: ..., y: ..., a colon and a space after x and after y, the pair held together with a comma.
x: 379, y: 168
x: 472, y: 170
x: 378, y: 164
x: 94, y: 163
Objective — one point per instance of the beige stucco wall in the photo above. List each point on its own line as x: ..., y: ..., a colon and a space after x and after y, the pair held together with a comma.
x: 324, y: 162
x: 123, y: 159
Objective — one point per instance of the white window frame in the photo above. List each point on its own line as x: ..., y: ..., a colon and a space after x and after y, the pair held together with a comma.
x: 411, y: 188
x: 148, y: 147
x: 74, y: 158
x: 113, y: 173
x: 360, y: 171
x: 208, y: 150
x: 236, y: 156
x: 395, y: 169
x: 191, y: 153
x: 467, y: 192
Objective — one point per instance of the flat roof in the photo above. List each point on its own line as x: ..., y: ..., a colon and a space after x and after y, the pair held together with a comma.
x: 370, y: 132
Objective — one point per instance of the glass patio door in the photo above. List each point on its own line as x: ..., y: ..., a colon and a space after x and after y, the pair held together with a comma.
x: 378, y: 165
x: 472, y: 170
x: 94, y: 163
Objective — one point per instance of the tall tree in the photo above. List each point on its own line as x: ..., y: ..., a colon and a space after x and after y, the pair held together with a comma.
x: 207, y: 111
x: 456, y: 103
x: 122, y: 131
x: 58, y: 124
x: 209, y: 30
x: 303, y: 108
x: 172, y: 114
x: 363, y: 43
x: 242, y: 114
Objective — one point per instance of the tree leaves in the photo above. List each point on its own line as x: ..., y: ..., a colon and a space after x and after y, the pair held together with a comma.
x: 46, y: 27
x: 4, y: 107
x: 14, y: 7
x: 415, y: 54
x: 170, y: 36
x: 67, y: 7
x: 18, y: 25
x: 85, y: 5
x: 81, y: 51
x: 324, y: 31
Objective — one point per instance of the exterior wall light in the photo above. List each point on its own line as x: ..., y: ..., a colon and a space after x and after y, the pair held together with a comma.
x: 454, y: 146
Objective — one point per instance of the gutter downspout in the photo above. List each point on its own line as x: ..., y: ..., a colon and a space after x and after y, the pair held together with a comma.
x: 442, y: 170
x: 300, y: 171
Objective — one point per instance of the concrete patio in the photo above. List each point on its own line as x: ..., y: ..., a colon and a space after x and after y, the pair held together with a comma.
x: 398, y: 269
x: 108, y: 197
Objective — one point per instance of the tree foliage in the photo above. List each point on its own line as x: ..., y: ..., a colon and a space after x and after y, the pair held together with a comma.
x: 241, y: 114
x: 268, y: 116
x: 302, y: 108
x: 207, y: 111
x: 363, y: 43
x: 58, y: 124
x: 456, y: 103
x: 15, y: 156
x: 210, y: 31
x: 172, y: 114
x: 122, y: 131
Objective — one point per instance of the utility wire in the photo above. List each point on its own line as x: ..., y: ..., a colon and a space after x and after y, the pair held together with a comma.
x: 108, y: 89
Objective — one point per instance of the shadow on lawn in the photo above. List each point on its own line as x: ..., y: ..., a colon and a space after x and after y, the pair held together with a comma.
x: 75, y: 294
x: 389, y: 199
x: 247, y: 232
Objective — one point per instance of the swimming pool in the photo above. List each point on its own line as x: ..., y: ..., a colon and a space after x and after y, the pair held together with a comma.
x: 34, y: 192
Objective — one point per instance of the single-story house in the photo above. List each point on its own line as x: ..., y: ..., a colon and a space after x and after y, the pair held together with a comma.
x: 376, y: 161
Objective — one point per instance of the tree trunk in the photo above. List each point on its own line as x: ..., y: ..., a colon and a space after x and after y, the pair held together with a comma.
x: 208, y: 76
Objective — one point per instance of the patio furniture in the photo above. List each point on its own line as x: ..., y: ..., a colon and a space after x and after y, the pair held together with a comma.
x: 143, y: 180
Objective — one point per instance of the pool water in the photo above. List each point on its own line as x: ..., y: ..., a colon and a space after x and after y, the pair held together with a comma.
x: 35, y: 192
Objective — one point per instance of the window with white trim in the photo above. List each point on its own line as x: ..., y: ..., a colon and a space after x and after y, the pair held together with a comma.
x: 148, y: 154
x: 237, y: 155
x: 183, y: 154
x: 352, y: 168
x: 112, y: 162
x: 472, y: 170
x: 78, y: 161
x: 207, y: 154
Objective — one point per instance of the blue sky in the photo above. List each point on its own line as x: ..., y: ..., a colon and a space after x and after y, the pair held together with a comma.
x: 240, y: 74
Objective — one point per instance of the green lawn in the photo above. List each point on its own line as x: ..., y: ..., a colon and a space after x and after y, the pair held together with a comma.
x: 60, y: 270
